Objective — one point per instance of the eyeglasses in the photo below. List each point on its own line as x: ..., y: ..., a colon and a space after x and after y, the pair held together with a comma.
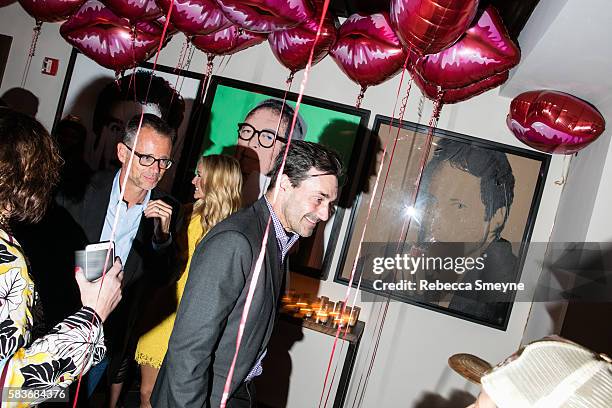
x: 147, y: 160
x: 266, y: 138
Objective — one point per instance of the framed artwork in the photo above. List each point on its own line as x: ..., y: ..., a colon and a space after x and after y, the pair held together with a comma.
x: 467, y: 210
x: 102, y: 104
x: 256, y: 112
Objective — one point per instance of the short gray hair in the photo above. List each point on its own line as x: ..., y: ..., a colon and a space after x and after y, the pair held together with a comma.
x: 148, y: 120
x: 276, y: 105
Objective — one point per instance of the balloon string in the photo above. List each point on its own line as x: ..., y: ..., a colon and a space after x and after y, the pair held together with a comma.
x: 207, y: 75
x: 186, y: 66
x: 31, y: 52
x: 360, y: 97
x: 564, y: 171
x: 178, y: 68
x: 123, y: 184
x: 432, y: 125
x: 257, y: 270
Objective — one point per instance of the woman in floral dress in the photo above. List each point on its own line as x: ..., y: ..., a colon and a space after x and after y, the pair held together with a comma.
x: 34, y: 367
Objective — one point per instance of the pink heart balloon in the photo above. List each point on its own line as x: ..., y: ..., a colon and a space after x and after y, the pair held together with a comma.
x: 227, y: 41
x: 51, y: 10
x: 554, y: 122
x: 292, y: 46
x: 454, y: 95
x: 265, y: 16
x: 107, y: 38
x: 133, y: 10
x: 195, y: 17
x: 429, y: 26
x: 4, y: 3
x: 485, y: 50
x: 367, y: 49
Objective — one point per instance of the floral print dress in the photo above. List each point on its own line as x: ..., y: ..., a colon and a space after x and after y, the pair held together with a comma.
x: 53, y: 360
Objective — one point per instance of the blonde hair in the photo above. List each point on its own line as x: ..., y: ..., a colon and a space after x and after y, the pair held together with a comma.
x: 221, y: 184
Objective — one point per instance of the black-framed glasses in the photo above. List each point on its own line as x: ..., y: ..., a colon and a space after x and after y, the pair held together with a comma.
x: 266, y: 137
x: 147, y: 160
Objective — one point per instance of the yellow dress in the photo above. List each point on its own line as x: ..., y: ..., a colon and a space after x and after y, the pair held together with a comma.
x: 153, y: 344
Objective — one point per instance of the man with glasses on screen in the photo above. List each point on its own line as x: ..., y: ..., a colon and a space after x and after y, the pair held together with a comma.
x: 143, y: 235
x: 259, y: 143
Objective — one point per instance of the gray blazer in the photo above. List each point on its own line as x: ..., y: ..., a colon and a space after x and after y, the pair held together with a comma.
x: 203, y: 341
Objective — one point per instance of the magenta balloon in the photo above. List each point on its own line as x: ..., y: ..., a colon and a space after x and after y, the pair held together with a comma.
x: 227, y: 41
x: 134, y: 10
x: 265, y: 16
x: 367, y: 49
x: 195, y: 17
x: 51, y: 10
x: 454, y: 95
x: 107, y: 38
x: 429, y: 26
x: 485, y: 50
x: 554, y: 122
x: 292, y: 46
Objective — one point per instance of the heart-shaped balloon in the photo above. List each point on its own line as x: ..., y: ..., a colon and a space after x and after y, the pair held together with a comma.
x: 367, y: 49
x: 429, y: 26
x: 554, y: 122
x: 292, y: 46
x: 227, y: 41
x: 195, y: 17
x: 478, y: 62
x: 108, y: 39
x: 454, y: 95
x: 51, y: 10
x: 265, y: 16
x: 134, y: 10
x: 485, y: 50
x: 4, y: 3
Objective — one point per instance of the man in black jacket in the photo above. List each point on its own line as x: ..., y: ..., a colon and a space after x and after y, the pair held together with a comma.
x: 203, y: 341
x: 143, y: 232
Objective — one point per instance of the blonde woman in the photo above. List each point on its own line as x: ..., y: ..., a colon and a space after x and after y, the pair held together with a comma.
x: 218, y: 186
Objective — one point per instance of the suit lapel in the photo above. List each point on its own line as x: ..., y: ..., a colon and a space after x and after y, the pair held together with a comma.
x: 96, y: 205
x: 272, y: 259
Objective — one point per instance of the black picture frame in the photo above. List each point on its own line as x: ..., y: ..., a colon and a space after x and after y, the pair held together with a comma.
x: 203, y: 142
x: 541, y: 163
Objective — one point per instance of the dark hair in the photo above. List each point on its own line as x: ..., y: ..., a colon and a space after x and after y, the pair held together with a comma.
x: 148, y: 120
x: 491, y: 167
x: 303, y: 156
x: 134, y: 88
x: 29, y: 166
x: 276, y: 105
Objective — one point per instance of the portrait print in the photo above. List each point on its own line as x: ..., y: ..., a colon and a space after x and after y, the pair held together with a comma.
x: 103, y: 104
x: 252, y: 123
x: 473, y: 200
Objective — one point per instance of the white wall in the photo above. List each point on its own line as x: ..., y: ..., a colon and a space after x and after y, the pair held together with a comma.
x: 415, y: 342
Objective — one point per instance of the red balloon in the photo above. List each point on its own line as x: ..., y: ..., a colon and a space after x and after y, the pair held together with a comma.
x: 429, y: 26
x: 454, y: 95
x: 195, y: 17
x: 473, y: 65
x: 51, y: 10
x: 108, y: 39
x: 4, y: 3
x: 133, y: 10
x: 227, y: 41
x: 265, y: 16
x: 292, y: 46
x: 554, y: 122
x: 367, y: 50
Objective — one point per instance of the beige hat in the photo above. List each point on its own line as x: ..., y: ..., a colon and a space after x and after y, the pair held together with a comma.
x: 549, y: 373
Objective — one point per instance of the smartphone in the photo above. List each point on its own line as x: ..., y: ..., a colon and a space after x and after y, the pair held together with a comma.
x: 92, y: 259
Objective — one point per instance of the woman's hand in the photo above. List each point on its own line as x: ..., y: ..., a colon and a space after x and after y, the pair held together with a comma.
x: 102, y: 299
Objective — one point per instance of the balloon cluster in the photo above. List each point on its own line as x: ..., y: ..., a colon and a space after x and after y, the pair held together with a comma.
x: 452, y: 49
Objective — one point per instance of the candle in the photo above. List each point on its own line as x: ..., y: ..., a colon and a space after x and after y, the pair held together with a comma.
x: 354, y: 316
x: 322, y: 317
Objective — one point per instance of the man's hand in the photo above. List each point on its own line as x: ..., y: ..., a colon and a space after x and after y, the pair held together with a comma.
x: 161, y: 214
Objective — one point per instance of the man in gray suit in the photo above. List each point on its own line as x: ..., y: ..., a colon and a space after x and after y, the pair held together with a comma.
x: 203, y: 341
